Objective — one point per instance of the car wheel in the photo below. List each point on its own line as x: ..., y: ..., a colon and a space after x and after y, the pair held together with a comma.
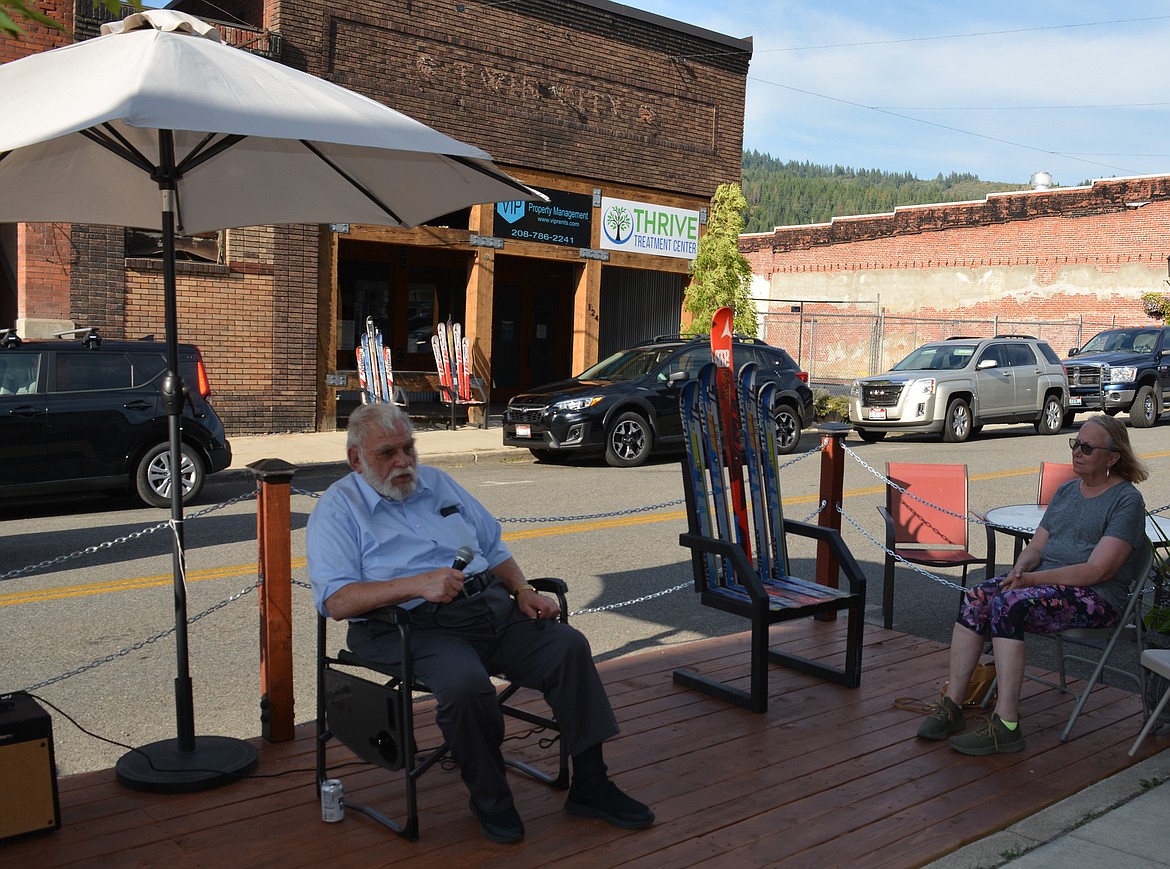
x: 869, y: 435
x: 1144, y: 412
x: 1070, y: 418
x: 152, y: 480
x: 628, y: 441
x: 957, y: 426
x: 550, y: 457
x: 1051, y: 417
x: 788, y: 428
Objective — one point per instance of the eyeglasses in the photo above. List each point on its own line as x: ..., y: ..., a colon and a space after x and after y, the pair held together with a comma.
x: 1086, y: 449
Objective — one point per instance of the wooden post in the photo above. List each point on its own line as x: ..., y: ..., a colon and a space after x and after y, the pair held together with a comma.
x: 832, y: 485
x: 274, y: 538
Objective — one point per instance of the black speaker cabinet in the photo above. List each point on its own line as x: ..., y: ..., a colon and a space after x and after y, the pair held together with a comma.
x: 28, y: 775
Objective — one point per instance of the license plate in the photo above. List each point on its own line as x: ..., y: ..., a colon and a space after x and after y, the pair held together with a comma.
x: 523, y: 431
x: 1074, y: 400
x: 877, y: 413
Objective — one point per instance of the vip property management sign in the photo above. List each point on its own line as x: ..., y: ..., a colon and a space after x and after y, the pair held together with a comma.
x: 639, y: 227
x: 564, y: 219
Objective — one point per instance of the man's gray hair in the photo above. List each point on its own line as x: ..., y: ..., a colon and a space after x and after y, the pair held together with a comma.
x: 377, y: 418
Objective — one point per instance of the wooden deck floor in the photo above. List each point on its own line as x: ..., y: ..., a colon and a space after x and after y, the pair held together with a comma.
x: 828, y: 777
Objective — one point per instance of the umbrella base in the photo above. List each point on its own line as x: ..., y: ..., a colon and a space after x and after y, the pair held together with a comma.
x: 161, y: 767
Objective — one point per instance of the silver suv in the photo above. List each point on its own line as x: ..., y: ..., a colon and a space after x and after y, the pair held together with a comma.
x: 959, y: 385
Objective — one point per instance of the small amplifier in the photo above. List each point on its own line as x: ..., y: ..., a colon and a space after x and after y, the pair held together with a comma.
x: 28, y: 774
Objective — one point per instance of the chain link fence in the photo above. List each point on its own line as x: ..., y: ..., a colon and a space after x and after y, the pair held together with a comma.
x: 835, y: 345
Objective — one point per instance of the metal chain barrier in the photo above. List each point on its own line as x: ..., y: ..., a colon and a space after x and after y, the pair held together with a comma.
x: 890, y: 552
x: 970, y: 517
x: 631, y: 511
x: 141, y: 644
x: 109, y: 544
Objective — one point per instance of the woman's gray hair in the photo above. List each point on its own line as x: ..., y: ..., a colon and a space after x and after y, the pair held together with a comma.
x: 1128, y: 466
x: 378, y: 418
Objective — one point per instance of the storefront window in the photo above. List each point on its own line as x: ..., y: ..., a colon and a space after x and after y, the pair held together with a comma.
x: 365, y: 292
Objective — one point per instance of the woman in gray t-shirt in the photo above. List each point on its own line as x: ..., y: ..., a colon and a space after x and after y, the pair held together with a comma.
x: 1075, y: 573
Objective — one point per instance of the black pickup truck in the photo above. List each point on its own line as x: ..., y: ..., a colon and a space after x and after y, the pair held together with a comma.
x: 1121, y: 369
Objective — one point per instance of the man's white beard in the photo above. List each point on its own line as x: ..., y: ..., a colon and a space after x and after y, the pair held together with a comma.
x: 383, y: 485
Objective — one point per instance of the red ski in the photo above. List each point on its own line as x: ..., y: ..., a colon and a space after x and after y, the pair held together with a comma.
x: 722, y: 335
x: 441, y: 345
x: 459, y: 369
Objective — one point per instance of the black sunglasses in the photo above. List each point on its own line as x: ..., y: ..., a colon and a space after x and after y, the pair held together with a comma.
x: 1087, y: 449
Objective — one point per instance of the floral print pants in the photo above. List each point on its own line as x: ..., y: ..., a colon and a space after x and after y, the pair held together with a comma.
x: 1043, y: 609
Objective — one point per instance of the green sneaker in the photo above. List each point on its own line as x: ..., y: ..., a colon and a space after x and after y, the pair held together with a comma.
x: 990, y: 737
x: 944, y: 719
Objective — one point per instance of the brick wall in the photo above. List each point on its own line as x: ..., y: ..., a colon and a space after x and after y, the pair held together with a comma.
x: 1059, y: 254
x: 99, y: 279
x: 38, y: 37
x: 552, y: 85
x: 43, y: 258
x: 254, y: 319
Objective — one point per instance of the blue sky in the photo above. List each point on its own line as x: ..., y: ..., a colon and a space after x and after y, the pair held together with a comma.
x: 998, y: 89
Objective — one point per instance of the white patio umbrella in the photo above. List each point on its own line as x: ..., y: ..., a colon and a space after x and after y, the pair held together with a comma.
x: 156, y: 124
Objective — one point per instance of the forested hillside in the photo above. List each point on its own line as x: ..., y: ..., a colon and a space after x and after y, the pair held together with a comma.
x: 788, y: 193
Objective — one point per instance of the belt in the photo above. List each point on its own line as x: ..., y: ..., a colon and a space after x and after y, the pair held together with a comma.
x: 473, y: 586
x: 476, y: 583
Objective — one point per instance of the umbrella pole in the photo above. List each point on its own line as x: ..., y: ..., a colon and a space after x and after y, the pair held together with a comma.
x: 186, y: 763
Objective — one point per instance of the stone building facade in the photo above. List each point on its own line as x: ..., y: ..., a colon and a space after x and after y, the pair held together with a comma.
x: 593, y: 102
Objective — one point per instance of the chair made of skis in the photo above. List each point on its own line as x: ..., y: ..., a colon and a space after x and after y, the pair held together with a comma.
x: 746, y: 572
x: 926, y: 522
x: 368, y: 706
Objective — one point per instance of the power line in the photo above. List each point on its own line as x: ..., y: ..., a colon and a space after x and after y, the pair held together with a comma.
x: 948, y: 127
x: 1021, y: 108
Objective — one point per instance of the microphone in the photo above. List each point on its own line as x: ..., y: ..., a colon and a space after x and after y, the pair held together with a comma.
x: 463, y: 557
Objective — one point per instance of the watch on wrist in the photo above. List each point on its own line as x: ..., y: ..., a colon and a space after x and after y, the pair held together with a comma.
x: 525, y: 587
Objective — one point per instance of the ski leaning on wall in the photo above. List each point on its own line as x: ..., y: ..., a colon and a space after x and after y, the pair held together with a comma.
x: 375, y: 374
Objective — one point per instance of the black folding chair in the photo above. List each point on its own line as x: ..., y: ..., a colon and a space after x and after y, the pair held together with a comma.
x: 374, y: 717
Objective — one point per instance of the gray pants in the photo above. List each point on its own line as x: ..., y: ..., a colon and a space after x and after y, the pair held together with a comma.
x: 456, y: 649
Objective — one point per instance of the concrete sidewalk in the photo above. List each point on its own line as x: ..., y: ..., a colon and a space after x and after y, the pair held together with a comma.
x: 435, y: 446
x: 1123, y: 821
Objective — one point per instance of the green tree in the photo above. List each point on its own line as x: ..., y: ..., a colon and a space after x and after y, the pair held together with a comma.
x: 720, y: 275
x: 10, y: 10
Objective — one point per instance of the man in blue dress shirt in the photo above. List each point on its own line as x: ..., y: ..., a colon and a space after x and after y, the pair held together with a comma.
x: 388, y: 534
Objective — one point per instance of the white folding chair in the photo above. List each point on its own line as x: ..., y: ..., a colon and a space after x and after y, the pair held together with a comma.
x: 1156, y: 661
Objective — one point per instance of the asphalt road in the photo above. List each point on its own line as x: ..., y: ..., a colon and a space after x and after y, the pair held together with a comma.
x: 112, y: 602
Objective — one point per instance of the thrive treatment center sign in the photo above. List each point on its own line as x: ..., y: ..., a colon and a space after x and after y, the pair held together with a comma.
x: 639, y: 227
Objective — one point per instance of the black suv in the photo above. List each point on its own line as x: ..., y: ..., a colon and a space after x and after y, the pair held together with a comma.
x: 628, y: 404
x: 89, y: 415
x: 1121, y: 369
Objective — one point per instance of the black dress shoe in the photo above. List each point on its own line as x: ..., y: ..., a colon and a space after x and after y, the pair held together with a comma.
x: 504, y: 827
x: 607, y: 802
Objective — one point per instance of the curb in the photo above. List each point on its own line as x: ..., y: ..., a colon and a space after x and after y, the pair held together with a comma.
x: 1050, y: 824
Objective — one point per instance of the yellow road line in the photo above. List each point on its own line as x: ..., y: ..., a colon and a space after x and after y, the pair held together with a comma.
x: 72, y: 591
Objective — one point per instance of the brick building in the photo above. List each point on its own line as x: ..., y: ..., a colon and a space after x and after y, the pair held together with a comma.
x: 1061, y: 261
x: 601, y: 106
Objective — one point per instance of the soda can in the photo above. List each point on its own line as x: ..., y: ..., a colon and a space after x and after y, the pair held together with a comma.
x: 332, y: 801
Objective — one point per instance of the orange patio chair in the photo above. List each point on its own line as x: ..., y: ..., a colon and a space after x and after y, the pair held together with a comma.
x: 926, y: 522
x: 1052, y: 476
